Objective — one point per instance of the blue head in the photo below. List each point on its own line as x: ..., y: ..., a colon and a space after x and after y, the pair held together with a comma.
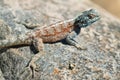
x: 87, y: 18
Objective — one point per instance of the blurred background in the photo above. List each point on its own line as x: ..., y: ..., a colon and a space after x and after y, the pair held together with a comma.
x: 113, y: 6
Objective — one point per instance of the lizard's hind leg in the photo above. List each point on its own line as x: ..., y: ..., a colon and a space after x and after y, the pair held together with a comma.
x: 38, y: 44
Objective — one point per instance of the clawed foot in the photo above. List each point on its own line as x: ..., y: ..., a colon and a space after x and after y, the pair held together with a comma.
x: 80, y: 47
x: 34, y: 67
x: 29, y: 71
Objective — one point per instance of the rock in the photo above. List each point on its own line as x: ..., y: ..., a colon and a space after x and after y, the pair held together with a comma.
x: 1, y: 76
x: 61, y: 61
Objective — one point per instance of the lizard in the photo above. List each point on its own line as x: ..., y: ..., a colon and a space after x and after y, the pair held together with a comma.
x: 68, y: 30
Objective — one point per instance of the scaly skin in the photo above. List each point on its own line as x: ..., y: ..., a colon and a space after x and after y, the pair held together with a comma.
x: 68, y: 30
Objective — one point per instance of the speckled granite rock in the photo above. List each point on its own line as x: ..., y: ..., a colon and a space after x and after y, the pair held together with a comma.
x: 1, y: 76
x: 101, y: 61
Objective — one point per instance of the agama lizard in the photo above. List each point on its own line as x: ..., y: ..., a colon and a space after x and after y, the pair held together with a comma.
x: 67, y: 30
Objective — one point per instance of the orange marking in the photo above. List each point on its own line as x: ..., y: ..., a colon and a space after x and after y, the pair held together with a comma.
x: 67, y: 29
x: 63, y: 29
x: 56, y: 71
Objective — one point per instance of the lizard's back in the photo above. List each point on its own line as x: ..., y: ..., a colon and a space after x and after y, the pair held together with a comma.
x: 54, y: 32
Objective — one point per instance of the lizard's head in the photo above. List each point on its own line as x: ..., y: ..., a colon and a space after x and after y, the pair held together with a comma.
x: 87, y: 18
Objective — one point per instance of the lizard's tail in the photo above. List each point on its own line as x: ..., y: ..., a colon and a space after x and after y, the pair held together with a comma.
x: 5, y: 43
x: 13, y: 42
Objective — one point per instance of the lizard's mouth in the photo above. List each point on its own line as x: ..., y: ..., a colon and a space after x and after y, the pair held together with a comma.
x: 93, y: 19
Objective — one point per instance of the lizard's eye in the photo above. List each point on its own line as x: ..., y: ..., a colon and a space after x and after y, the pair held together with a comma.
x: 91, y: 16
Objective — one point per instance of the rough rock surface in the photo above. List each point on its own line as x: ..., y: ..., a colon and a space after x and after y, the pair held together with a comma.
x: 101, y: 60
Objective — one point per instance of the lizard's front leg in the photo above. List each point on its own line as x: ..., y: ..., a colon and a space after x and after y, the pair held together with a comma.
x: 70, y: 39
